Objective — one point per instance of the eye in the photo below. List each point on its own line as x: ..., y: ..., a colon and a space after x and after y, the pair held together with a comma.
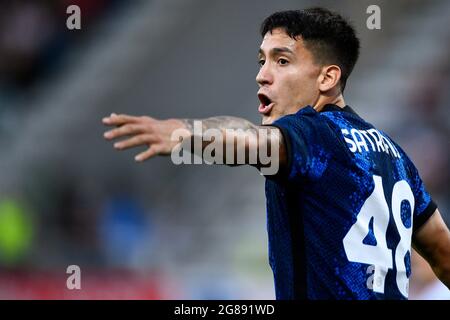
x: 282, y: 61
x: 261, y: 62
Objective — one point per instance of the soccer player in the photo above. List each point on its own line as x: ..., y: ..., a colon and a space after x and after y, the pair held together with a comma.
x: 347, y: 203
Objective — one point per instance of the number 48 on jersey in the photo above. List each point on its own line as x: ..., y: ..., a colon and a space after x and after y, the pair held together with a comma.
x: 375, y: 210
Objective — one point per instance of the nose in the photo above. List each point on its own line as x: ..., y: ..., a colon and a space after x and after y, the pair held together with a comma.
x: 264, y: 76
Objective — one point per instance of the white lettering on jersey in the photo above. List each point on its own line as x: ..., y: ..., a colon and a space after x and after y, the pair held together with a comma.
x: 369, y: 140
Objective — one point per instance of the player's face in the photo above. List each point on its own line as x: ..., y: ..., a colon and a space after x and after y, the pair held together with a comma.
x: 288, y: 76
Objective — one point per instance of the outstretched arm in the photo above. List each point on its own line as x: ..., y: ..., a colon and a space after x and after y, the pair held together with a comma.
x: 432, y: 241
x: 238, y: 134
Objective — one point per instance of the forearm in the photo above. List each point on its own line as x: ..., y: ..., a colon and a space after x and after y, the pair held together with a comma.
x: 432, y: 241
x: 221, y: 140
x: 443, y: 273
x: 232, y: 137
x: 440, y: 260
x: 220, y: 123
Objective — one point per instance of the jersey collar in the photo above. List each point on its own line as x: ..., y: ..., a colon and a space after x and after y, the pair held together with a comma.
x: 333, y: 107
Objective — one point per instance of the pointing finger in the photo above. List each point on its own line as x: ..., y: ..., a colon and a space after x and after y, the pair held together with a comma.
x: 120, y: 119
x: 134, y: 141
x: 124, y: 130
x: 147, y: 154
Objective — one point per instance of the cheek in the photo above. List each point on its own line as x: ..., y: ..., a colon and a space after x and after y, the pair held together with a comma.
x: 301, y: 85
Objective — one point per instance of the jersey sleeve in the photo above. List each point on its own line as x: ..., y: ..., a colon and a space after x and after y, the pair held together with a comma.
x: 306, y: 156
x: 424, y: 205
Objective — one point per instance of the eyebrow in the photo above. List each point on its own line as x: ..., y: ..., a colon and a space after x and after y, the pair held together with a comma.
x: 277, y: 50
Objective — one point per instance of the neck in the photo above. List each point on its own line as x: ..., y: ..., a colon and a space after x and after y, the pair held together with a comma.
x: 324, y: 100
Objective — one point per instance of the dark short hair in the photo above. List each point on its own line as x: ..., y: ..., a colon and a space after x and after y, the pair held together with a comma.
x: 327, y: 35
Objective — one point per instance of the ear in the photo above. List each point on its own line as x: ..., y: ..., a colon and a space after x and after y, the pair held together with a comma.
x: 329, y: 77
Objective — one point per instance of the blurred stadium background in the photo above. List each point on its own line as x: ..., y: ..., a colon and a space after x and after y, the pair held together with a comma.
x: 156, y: 230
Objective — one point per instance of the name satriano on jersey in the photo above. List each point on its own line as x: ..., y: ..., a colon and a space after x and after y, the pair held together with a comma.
x: 369, y: 140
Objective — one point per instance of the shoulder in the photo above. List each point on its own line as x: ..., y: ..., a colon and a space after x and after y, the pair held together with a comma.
x: 306, y: 118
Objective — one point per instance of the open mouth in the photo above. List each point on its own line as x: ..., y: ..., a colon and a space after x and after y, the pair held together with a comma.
x: 265, y: 105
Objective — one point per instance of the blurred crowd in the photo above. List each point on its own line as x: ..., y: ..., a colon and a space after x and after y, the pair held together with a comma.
x: 45, y: 226
x: 424, y: 131
x: 34, y: 39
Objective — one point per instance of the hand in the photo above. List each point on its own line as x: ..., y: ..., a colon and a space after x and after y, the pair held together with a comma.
x: 156, y: 134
